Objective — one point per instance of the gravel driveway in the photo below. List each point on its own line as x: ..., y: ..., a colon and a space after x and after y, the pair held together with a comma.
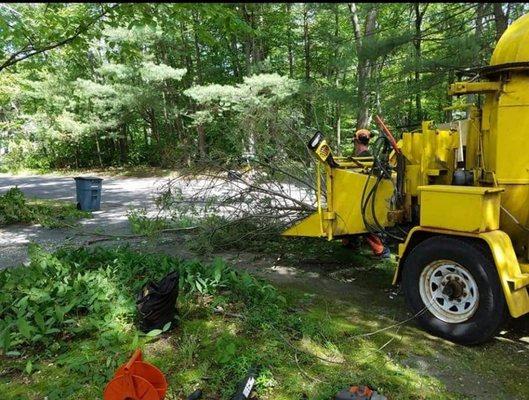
x: 118, y: 195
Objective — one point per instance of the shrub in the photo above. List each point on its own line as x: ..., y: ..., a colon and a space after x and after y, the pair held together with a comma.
x: 15, y: 208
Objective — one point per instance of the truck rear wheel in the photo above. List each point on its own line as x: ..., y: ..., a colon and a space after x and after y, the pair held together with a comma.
x: 453, y: 287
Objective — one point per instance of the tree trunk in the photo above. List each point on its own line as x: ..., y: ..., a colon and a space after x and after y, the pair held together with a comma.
x: 256, y: 49
x: 98, y: 149
x: 77, y: 155
x: 145, y: 138
x: 154, y: 127
x: 480, y: 13
x: 123, y: 145
x: 338, y: 126
x: 501, y: 19
x: 306, y: 40
x: 417, y: 46
x: 363, y: 117
x: 235, y: 57
x: 185, y: 48
x: 337, y: 107
x: 201, y: 132
x: 306, y: 45
x: 289, y: 44
x: 201, y: 142
x: 247, y: 43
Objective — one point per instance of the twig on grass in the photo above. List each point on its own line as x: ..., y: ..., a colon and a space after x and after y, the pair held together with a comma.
x: 304, y: 373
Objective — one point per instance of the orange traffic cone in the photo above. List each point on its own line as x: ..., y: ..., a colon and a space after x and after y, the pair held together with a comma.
x: 136, y: 380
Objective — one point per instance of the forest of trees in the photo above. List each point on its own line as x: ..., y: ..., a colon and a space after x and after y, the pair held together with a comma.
x: 169, y: 85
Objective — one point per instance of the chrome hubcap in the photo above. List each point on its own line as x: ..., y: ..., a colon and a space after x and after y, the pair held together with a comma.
x: 449, y: 291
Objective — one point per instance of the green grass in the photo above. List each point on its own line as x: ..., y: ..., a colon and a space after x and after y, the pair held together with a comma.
x: 56, y: 213
x: 289, y: 333
x: 15, y: 208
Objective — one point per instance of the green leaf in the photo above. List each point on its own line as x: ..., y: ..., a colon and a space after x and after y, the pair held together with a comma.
x: 59, y: 313
x: 24, y: 328
x: 166, y: 326
x: 39, y: 320
x: 135, y: 340
x: 29, y: 367
x: 154, y: 332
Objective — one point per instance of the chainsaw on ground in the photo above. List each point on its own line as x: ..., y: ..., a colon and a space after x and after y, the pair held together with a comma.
x: 359, y: 393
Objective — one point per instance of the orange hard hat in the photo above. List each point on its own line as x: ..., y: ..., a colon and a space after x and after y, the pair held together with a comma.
x: 362, y: 132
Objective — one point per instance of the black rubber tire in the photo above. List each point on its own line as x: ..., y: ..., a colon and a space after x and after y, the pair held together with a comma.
x: 492, y: 309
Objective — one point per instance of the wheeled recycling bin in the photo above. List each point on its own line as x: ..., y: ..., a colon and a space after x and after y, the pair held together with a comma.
x: 88, y: 191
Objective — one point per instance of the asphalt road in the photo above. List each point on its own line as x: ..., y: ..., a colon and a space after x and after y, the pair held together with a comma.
x: 117, y: 197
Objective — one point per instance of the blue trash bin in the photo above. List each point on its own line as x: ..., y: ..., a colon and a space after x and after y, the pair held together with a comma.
x: 88, y: 191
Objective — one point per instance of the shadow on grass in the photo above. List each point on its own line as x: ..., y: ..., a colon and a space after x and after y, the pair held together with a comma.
x: 316, y: 345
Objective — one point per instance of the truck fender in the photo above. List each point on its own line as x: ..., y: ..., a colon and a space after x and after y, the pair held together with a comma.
x: 514, y: 278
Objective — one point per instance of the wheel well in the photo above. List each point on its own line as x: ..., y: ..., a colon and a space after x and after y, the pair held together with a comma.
x: 420, y: 236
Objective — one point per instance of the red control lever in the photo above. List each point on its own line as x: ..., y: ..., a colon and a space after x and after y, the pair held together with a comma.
x: 388, y: 134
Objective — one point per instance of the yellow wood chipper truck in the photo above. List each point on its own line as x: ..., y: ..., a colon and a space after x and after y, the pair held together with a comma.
x: 455, y: 197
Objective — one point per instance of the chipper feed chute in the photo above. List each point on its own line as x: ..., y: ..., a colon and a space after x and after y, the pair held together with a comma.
x: 136, y: 380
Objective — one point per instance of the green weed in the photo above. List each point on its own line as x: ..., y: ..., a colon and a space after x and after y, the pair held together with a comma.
x: 229, y: 322
x: 82, y: 293
x: 15, y: 208
x: 142, y: 224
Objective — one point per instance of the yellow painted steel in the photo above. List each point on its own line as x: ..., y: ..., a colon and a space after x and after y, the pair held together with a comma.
x: 343, y: 213
x: 513, y: 277
x: 459, y: 88
x: 318, y: 195
x: 493, y: 146
x: 512, y: 46
x: 460, y: 208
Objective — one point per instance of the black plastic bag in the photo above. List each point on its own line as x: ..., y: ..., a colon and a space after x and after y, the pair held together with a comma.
x: 156, y: 303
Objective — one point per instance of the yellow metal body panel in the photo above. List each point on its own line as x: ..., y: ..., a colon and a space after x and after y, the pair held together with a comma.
x: 505, y: 126
x: 513, y: 280
x: 515, y: 202
x: 430, y: 158
x: 342, y: 216
x: 473, y: 87
x: 347, y: 194
x: 512, y: 46
x: 497, y: 143
x: 460, y: 208
x: 312, y: 226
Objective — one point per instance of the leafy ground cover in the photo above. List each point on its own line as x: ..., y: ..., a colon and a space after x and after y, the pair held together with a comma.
x: 15, y: 208
x: 68, y: 320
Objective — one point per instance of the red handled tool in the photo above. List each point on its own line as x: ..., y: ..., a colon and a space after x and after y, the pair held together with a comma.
x: 388, y: 134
